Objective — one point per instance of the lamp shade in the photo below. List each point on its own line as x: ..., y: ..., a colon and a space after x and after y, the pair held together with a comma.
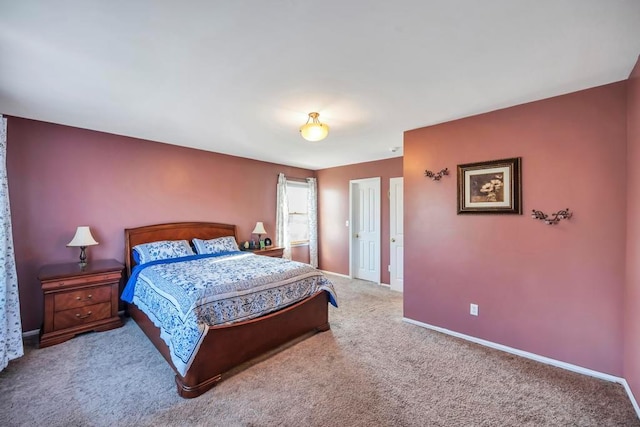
x: 313, y: 130
x: 259, y: 229
x: 83, y: 237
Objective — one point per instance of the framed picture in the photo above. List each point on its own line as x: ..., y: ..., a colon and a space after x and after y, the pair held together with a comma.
x: 492, y: 187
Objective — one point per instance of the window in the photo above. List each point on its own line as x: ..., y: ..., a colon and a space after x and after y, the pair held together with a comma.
x: 297, y: 198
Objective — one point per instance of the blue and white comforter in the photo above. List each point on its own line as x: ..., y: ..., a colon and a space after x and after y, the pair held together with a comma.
x: 184, y: 296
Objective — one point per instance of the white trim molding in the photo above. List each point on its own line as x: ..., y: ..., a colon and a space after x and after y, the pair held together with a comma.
x: 28, y: 334
x: 346, y: 276
x: 634, y: 402
x: 536, y: 357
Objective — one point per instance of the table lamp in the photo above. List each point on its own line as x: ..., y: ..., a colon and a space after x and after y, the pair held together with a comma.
x: 83, y: 238
x: 259, y: 230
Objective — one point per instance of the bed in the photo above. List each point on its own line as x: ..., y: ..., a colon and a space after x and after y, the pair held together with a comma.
x: 224, y: 346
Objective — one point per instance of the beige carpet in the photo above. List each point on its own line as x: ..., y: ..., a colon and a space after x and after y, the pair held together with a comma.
x: 370, y: 369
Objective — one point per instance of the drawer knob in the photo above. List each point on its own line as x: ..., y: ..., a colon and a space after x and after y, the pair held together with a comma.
x: 88, y: 297
x: 79, y: 316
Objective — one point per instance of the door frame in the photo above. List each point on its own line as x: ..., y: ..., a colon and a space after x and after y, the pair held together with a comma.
x: 394, y: 265
x: 352, y: 183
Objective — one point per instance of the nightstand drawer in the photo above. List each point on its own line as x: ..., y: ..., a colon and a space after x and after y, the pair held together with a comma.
x: 272, y: 251
x: 81, y: 297
x: 79, y: 316
x: 78, y: 281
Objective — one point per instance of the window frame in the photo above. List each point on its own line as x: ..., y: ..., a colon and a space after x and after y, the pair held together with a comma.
x: 302, y: 185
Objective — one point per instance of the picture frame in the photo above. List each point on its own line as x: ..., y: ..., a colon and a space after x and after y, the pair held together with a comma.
x: 491, y: 187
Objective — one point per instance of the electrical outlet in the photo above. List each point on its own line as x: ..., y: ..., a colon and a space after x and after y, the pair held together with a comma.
x: 473, y: 309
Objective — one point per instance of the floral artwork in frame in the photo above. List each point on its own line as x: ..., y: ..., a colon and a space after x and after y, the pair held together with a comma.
x: 492, y: 187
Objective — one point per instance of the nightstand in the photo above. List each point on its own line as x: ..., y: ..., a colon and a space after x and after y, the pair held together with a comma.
x: 79, y: 299
x: 272, y: 251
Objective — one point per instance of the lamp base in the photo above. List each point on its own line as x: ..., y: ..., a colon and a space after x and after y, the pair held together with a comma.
x: 83, y: 256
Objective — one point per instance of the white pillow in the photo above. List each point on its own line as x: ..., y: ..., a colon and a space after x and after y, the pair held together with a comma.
x: 216, y: 246
x: 164, y: 249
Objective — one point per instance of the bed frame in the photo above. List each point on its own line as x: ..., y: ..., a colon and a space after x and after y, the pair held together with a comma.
x: 226, y: 346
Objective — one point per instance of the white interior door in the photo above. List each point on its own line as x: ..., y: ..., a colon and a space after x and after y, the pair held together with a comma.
x: 365, y: 229
x: 396, y: 233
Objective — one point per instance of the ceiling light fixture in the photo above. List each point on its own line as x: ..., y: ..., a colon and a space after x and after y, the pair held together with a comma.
x: 313, y: 130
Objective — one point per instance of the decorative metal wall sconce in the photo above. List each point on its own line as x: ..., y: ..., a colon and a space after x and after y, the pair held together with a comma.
x: 556, y: 217
x: 436, y: 176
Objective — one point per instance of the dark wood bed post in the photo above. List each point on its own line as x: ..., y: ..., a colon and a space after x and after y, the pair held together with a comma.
x: 225, y: 346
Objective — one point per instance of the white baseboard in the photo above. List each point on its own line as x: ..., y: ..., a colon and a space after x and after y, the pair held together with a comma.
x: 536, y: 357
x: 634, y: 402
x: 27, y: 334
x: 30, y: 333
x: 346, y: 276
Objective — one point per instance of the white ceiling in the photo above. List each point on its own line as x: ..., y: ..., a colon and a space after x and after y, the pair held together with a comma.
x: 240, y: 76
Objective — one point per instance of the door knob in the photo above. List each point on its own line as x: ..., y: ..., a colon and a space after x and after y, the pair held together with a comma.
x: 393, y: 240
x: 356, y: 235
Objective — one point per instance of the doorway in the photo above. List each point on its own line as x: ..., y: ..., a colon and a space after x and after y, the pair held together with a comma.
x: 396, y: 233
x: 364, y: 244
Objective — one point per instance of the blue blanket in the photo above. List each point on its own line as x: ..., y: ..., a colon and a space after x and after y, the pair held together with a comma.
x: 185, y: 296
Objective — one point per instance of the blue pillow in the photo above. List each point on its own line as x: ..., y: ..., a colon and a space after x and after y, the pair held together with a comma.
x: 164, y: 249
x: 216, y: 246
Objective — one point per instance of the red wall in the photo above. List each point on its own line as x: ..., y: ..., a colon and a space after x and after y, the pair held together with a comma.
x: 555, y: 291
x: 333, y: 212
x: 300, y: 253
x: 61, y: 177
x: 632, y: 289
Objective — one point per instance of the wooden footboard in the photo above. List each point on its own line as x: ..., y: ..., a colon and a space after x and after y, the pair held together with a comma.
x: 226, y: 347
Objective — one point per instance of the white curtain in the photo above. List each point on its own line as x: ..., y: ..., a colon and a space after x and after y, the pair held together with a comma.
x: 312, y: 209
x: 10, y: 323
x: 282, y: 217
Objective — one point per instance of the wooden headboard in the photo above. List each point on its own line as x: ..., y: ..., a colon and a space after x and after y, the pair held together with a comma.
x: 172, y: 231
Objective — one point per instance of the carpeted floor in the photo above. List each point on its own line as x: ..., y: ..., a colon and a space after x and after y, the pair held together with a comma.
x: 370, y: 369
